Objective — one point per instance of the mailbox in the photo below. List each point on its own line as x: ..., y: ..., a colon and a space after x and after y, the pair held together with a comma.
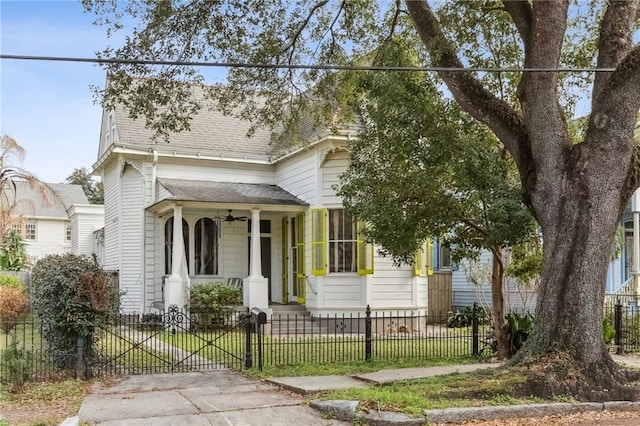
x: 258, y: 316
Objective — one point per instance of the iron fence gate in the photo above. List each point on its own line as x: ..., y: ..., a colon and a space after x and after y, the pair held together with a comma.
x: 175, y: 341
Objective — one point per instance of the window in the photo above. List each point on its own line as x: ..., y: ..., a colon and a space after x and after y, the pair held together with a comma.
x: 342, y: 241
x: 30, y: 230
x: 444, y: 257
x: 206, y: 236
x: 26, y: 228
x: 168, y: 243
x: 68, y: 233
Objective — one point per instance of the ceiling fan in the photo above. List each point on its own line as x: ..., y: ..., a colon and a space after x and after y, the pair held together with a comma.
x: 232, y: 218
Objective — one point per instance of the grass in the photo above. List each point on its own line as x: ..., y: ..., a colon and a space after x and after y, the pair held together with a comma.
x: 45, y: 403
x: 479, y: 388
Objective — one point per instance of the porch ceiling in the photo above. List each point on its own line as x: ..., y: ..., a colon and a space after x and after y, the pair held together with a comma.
x: 227, y: 193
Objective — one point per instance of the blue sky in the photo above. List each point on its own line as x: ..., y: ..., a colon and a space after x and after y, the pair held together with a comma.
x: 48, y: 106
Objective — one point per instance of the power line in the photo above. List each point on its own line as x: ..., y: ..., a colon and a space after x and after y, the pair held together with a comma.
x: 104, y: 61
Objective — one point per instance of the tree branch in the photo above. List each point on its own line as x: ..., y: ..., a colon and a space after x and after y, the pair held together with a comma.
x: 616, y: 40
x: 468, y: 91
x: 520, y: 12
x: 615, y: 115
x: 303, y: 25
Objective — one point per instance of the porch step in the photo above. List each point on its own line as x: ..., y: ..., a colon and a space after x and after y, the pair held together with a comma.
x: 288, y: 320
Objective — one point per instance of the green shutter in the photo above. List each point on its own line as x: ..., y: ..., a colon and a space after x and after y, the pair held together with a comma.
x: 364, y: 252
x: 418, y: 261
x: 301, y: 283
x: 285, y: 260
x: 429, y: 257
x: 318, y: 241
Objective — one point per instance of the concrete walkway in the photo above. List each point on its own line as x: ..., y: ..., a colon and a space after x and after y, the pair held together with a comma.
x: 225, y: 397
x: 221, y: 397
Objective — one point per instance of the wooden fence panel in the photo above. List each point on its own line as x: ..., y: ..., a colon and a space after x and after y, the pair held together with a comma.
x: 440, y: 296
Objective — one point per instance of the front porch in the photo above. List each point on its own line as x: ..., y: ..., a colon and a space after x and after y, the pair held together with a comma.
x: 238, y: 232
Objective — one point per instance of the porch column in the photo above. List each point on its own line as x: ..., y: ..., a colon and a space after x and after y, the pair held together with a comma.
x: 255, y: 286
x: 174, y: 289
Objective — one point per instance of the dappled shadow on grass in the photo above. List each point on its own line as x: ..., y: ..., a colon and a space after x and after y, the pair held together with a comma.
x: 496, y: 386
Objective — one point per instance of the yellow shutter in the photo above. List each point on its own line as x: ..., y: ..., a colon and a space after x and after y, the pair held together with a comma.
x: 364, y: 252
x: 318, y: 241
x: 285, y: 260
x: 429, y: 257
x: 418, y: 261
x: 301, y: 284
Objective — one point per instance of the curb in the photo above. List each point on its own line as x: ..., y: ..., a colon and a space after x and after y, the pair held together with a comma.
x: 348, y: 411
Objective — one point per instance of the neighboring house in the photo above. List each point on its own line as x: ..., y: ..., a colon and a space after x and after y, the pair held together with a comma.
x: 243, y: 214
x: 62, y: 221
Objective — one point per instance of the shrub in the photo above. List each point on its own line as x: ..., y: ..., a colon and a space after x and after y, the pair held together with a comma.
x: 71, y: 297
x: 464, y: 317
x: 13, y: 255
x: 214, y: 302
x: 14, y: 306
x: 11, y: 281
x: 17, y: 365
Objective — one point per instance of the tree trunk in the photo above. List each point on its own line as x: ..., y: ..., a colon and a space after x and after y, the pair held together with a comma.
x: 497, y: 310
x: 567, y: 344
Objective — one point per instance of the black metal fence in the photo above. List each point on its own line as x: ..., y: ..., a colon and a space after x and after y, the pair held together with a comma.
x: 176, y: 341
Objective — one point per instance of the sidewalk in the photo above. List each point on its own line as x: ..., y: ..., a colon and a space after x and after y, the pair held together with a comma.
x: 225, y: 397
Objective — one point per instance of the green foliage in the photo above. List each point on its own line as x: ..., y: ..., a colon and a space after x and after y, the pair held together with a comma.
x: 93, y: 190
x: 608, y: 331
x: 11, y: 281
x: 519, y: 327
x: 421, y: 168
x: 464, y: 317
x: 526, y: 261
x: 71, y: 297
x: 214, y: 303
x: 17, y: 364
x: 13, y: 254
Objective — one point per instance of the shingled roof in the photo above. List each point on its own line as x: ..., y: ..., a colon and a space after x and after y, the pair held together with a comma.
x: 211, y: 133
x: 229, y: 192
x: 30, y: 200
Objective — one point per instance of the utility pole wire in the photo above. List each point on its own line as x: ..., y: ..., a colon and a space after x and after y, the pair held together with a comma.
x: 104, y: 61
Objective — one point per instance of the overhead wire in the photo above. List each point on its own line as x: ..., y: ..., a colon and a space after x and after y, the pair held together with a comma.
x: 105, y: 61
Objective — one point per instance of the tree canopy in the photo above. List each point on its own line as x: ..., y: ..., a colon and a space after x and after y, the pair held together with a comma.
x: 92, y: 189
x: 575, y: 188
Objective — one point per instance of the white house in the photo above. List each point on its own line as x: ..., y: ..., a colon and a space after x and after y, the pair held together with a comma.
x: 58, y: 223
x: 273, y: 221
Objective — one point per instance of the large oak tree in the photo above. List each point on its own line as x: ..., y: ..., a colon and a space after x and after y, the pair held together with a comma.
x: 576, y: 189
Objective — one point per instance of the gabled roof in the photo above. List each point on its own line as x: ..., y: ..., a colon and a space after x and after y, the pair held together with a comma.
x: 211, y: 133
x: 229, y: 192
x: 30, y: 200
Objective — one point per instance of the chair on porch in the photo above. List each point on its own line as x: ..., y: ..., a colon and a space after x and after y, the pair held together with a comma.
x: 236, y: 282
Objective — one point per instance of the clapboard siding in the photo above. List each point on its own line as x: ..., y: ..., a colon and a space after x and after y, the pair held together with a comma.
x: 392, y: 287
x: 153, y: 284
x: 465, y: 293
x: 111, y: 179
x: 298, y: 176
x: 334, y: 165
x: 245, y: 172
x: 131, y: 226
x: 50, y: 238
x: 235, y: 239
x: 343, y: 291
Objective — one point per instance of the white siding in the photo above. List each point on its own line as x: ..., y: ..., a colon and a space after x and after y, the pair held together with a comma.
x: 235, y: 240
x: 131, y: 227
x: 111, y: 181
x: 392, y: 287
x: 343, y: 291
x: 334, y: 165
x: 298, y: 176
x: 245, y: 173
x: 85, y: 219
x: 50, y: 238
